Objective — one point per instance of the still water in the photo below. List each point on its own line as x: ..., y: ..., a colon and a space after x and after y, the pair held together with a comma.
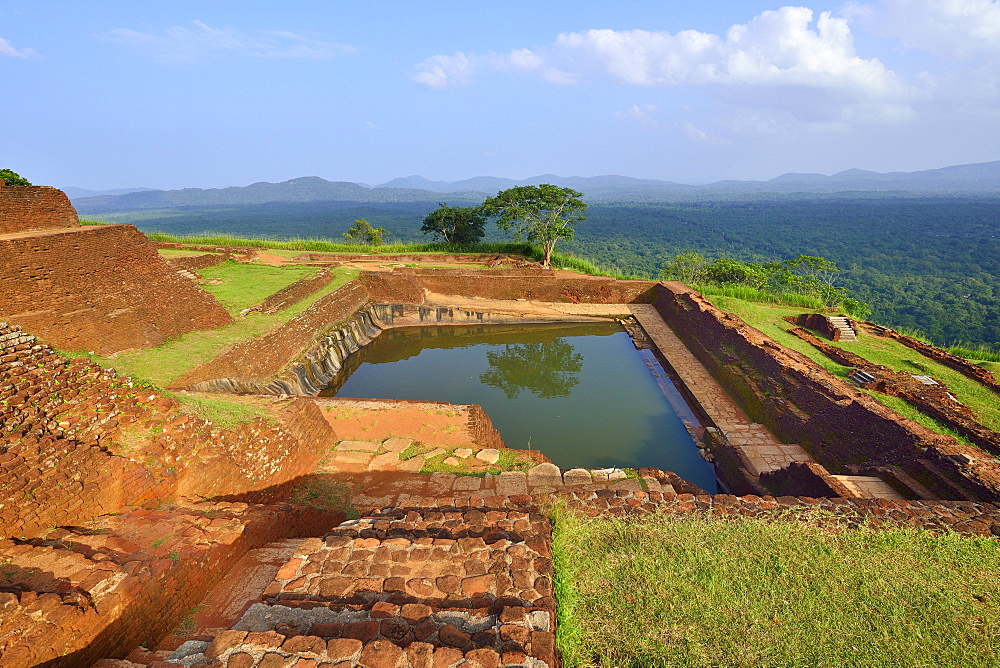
x: 580, y: 393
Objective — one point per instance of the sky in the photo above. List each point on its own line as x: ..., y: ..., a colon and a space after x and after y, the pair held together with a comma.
x: 117, y: 93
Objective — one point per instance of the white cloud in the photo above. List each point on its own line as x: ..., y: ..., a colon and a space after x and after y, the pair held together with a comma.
x: 779, y: 49
x: 642, y: 115
x: 443, y: 71
x: 7, y: 49
x: 190, y: 44
x: 949, y: 28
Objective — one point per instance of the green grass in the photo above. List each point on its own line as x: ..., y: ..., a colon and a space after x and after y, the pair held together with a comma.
x: 559, y: 260
x: 908, y: 411
x: 975, y: 353
x: 327, y: 246
x: 178, y: 252
x: 751, y: 593
x: 768, y: 319
x: 169, y: 361
x: 321, y: 492
x: 888, y: 352
x: 238, y: 286
x: 221, y: 412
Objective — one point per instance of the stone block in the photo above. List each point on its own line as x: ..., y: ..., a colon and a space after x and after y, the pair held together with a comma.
x: 467, y: 483
x: 463, y: 453
x: 489, y: 455
x: 545, y: 475
x: 397, y: 444
x: 578, y: 477
x: 386, y: 462
x: 509, y: 483
x: 360, y: 446
x: 452, y: 461
x: 411, y: 465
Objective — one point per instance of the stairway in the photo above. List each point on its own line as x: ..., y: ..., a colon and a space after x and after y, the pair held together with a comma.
x: 405, y: 587
x: 843, y: 325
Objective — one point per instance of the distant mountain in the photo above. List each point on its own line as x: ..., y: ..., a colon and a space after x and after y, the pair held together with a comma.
x: 78, y: 193
x: 304, y: 189
x: 975, y: 178
x: 980, y: 178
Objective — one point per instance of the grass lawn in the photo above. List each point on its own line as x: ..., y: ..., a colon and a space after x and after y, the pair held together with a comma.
x: 238, y: 286
x: 751, y: 593
x: 767, y: 318
x: 179, y: 252
x: 167, y: 362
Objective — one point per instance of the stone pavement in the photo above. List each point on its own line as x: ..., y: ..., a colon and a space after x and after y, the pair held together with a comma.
x: 869, y: 487
x: 761, y: 450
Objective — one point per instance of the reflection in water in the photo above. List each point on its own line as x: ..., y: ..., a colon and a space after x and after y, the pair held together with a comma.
x: 533, y: 383
x: 546, y: 369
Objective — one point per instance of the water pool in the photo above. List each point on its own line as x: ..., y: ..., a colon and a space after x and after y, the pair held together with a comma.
x: 580, y: 393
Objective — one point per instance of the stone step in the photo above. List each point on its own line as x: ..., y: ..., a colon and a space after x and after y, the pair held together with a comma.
x: 419, y: 586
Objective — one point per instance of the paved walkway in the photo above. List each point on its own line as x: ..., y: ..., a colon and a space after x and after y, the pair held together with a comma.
x: 761, y: 450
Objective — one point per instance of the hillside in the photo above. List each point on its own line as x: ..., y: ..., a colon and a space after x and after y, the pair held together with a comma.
x: 981, y: 178
x: 929, y: 263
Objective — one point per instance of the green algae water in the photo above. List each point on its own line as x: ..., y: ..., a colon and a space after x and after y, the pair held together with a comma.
x: 580, y: 393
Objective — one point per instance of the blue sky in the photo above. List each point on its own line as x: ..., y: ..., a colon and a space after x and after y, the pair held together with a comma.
x: 107, y: 94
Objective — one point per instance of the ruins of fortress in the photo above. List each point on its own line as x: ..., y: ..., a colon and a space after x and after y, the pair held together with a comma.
x: 123, y: 514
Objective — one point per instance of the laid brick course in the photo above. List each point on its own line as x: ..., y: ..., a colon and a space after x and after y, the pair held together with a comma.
x: 100, y: 288
x: 840, y: 426
x: 27, y: 208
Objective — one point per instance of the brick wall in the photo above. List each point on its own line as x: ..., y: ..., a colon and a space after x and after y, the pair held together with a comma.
x: 295, y: 292
x: 536, y: 284
x: 74, y: 597
x: 267, y: 355
x: 77, y: 441
x: 24, y: 208
x: 197, y: 262
x: 101, y: 288
x: 802, y: 403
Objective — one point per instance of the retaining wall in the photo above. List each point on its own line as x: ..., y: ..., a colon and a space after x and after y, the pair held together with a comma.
x: 257, y: 360
x: 76, y: 596
x: 77, y: 441
x: 802, y: 403
x: 100, y: 288
x: 24, y: 208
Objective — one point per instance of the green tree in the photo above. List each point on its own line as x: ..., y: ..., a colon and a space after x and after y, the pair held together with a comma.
x: 362, y: 233
x: 12, y: 178
x: 548, y: 369
x: 542, y: 214
x: 455, y: 224
x: 688, y: 268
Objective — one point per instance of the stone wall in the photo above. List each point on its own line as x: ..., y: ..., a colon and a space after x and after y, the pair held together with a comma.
x: 295, y: 292
x: 536, y: 284
x: 101, y: 288
x: 802, y: 403
x: 198, y: 262
x: 77, y: 441
x: 24, y: 208
x: 259, y: 359
x: 960, y: 364
x: 75, y: 596
x: 805, y: 479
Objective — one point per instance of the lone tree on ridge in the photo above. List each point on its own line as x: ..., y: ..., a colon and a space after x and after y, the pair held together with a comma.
x: 455, y: 224
x: 364, y: 234
x: 542, y: 214
x: 12, y: 178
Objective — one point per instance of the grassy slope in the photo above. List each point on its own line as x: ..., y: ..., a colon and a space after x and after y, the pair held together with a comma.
x: 667, y: 592
x: 767, y: 318
x: 238, y: 286
x: 165, y: 363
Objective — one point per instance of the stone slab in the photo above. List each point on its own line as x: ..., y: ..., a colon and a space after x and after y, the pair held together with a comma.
x: 397, y: 444
x: 489, y: 455
x: 360, y: 446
